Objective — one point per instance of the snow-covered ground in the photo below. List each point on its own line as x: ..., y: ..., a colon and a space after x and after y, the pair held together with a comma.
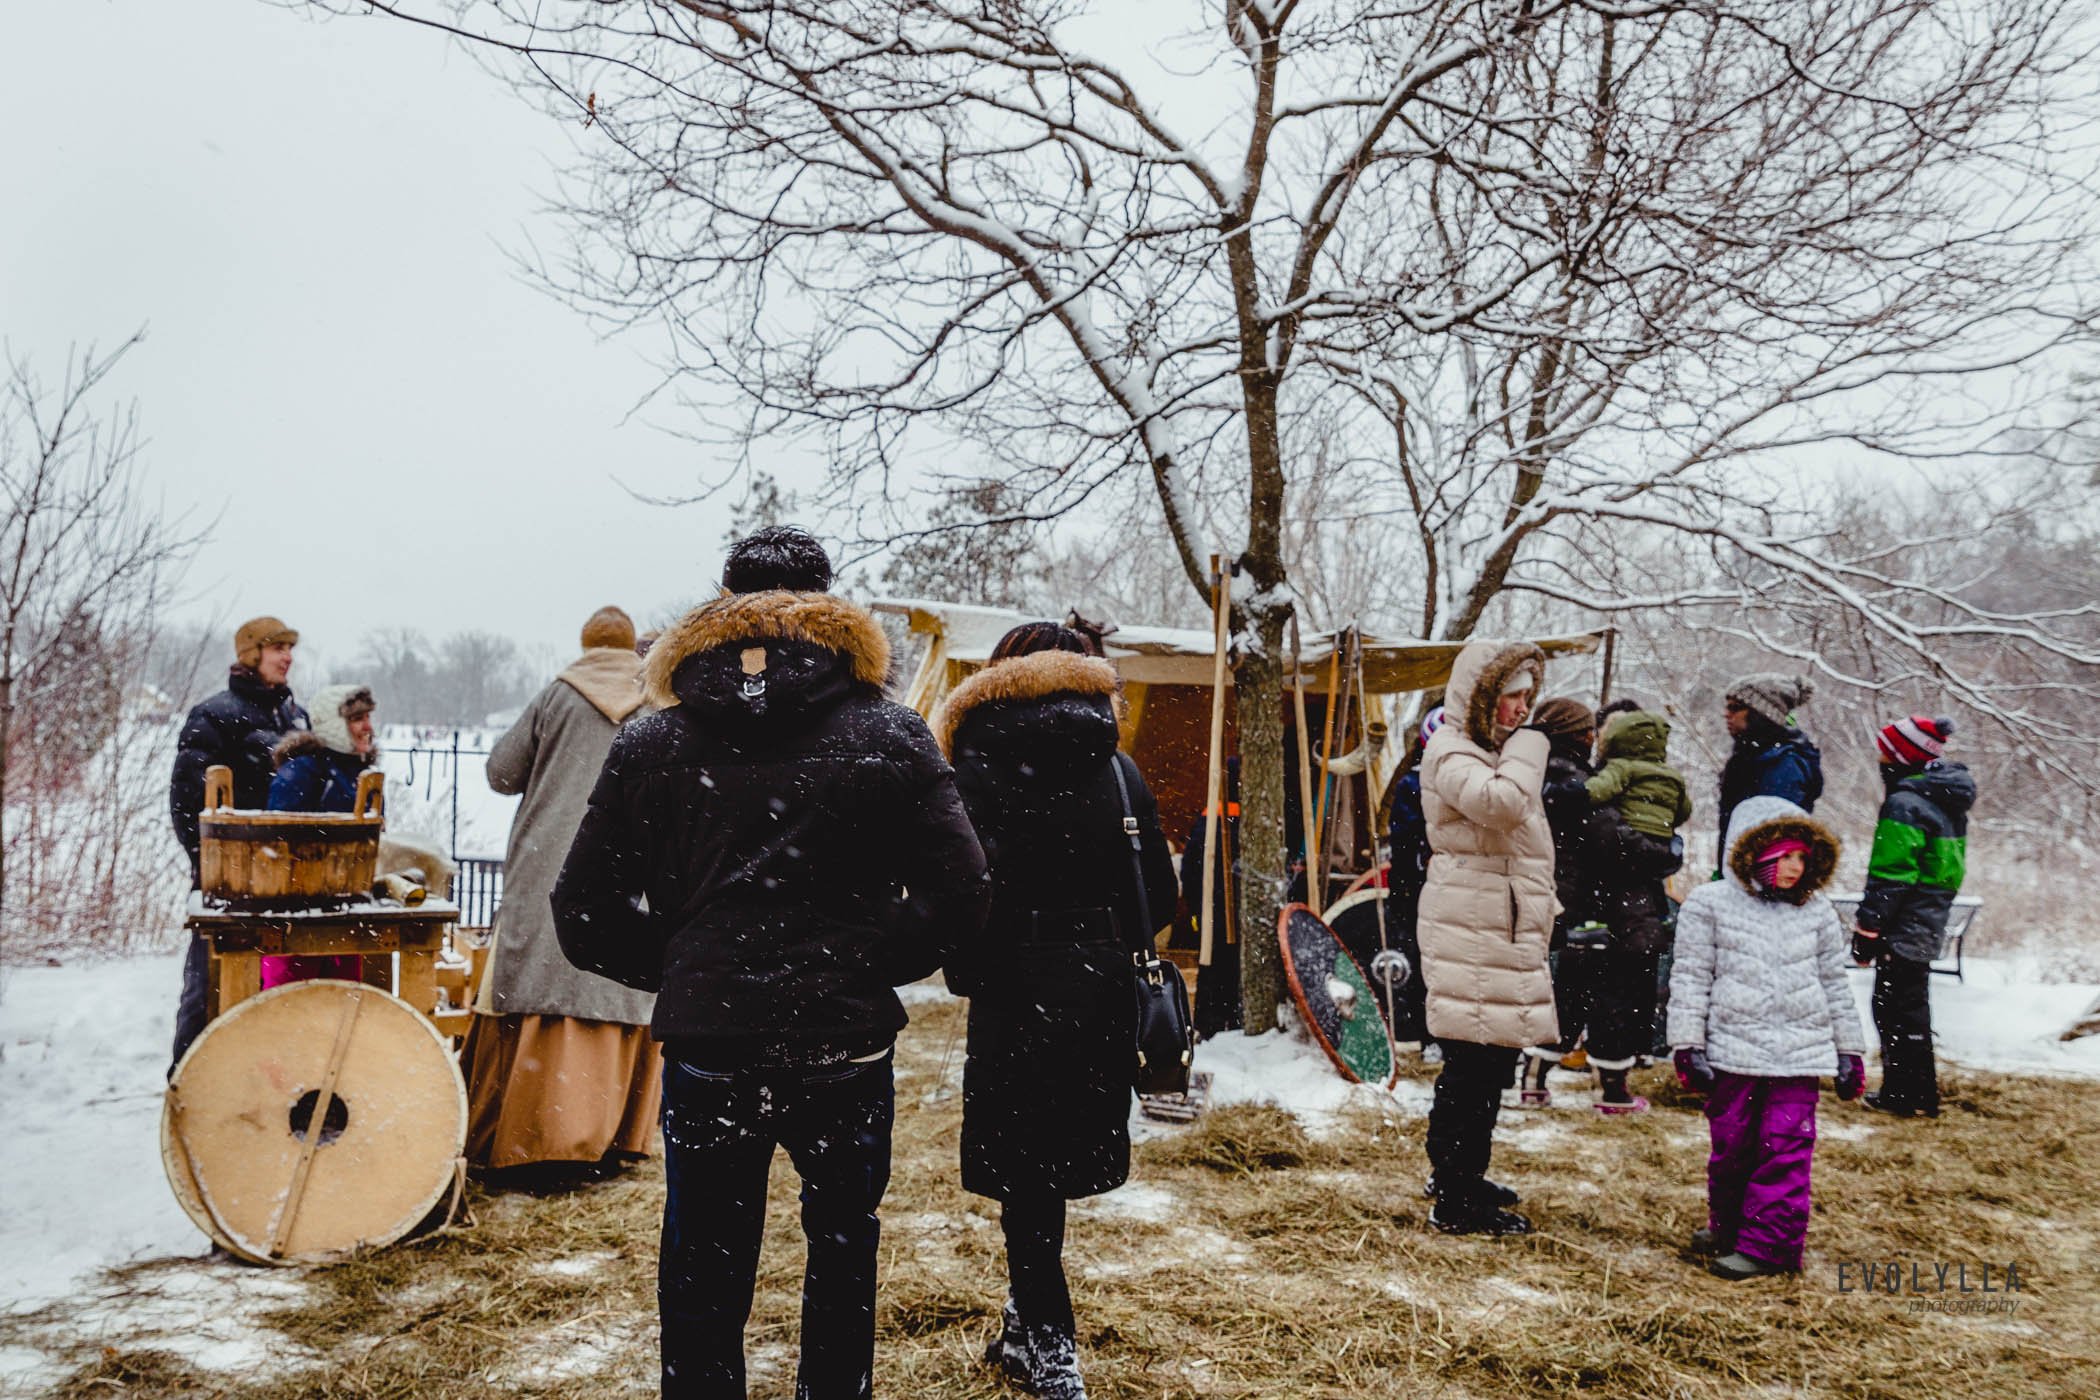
x: 83, y: 1054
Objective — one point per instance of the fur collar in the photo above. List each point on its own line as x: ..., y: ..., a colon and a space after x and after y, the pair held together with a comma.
x: 1027, y: 677
x: 821, y: 619
x: 304, y: 741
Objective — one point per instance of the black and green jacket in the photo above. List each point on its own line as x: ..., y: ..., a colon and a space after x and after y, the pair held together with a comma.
x: 1920, y: 852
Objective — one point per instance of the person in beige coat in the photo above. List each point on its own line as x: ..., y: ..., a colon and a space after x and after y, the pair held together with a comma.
x: 1486, y: 918
x: 560, y: 1065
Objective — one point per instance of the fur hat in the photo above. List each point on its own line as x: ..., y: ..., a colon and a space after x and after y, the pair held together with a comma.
x: 1914, y: 741
x: 331, y: 710
x: 257, y: 633
x: 609, y: 627
x: 1773, y: 695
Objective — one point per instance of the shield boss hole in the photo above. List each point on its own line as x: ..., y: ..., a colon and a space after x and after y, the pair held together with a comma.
x: 332, y: 1122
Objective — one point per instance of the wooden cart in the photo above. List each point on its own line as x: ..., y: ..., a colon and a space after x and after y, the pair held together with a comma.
x: 327, y: 1115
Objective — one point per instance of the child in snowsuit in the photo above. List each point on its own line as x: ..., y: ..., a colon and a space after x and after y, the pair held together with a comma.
x: 1760, y: 1008
x: 1643, y: 800
x: 1920, y: 855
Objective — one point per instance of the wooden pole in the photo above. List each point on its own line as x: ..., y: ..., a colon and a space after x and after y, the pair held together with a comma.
x: 1316, y: 837
x: 1214, y: 788
x: 1305, y: 789
x: 1611, y: 638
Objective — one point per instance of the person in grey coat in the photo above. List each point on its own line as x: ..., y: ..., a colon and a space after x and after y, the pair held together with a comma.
x: 560, y: 1064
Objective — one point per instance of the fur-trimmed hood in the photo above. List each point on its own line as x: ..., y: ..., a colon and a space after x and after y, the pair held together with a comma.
x: 1030, y: 677
x: 1476, y: 683
x: 304, y: 741
x: 1759, y: 821
x: 766, y: 658
x: 331, y: 728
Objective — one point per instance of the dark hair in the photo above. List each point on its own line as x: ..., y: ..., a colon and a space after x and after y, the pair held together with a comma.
x: 1616, y: 707
x: 777, y: 557
x: 1040, y: 636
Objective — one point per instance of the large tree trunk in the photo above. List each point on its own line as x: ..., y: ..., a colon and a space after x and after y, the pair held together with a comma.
x: 1264, y: 864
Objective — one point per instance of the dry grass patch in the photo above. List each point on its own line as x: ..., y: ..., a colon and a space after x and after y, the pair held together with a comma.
x: 1256, y: 1260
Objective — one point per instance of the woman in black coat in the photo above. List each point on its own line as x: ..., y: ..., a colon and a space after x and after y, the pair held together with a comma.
x: 1053, y: 1013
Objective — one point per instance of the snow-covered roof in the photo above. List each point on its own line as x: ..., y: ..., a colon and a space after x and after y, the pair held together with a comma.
x: 966, y: 633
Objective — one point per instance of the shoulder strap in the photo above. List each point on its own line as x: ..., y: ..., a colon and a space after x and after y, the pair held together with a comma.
x: 1137, y: 848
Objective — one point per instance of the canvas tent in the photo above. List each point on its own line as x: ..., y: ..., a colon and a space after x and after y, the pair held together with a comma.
x: 1166, y: 674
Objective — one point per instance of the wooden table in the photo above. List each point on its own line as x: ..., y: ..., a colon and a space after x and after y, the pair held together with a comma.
x: 240, y: 940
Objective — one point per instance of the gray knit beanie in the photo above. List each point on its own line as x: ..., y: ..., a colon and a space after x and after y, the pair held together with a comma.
x: 1773, y: 695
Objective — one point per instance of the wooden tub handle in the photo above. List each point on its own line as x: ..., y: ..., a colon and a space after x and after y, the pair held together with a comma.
x: 218, y: 787
x: 371, y: 794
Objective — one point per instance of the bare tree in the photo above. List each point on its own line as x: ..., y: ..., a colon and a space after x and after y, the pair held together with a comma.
x: 1533, y: 263
x: 88, y: 565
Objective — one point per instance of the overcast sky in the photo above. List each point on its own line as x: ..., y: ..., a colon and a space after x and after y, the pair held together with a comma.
x: 342, y: 366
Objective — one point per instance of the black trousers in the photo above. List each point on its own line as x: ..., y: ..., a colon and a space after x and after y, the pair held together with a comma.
x: 1462, y: 1114
x: 1622, y: 1008
x: 193, y: 1010
x: 1035, y: 1261
x: 1903, y: 1019
x: 720, y: 1129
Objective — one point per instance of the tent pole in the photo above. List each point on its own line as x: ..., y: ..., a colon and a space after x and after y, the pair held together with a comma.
x: 1214, y: 787
x: 1316, y: 838
x: 1611, y: 639
x: 1305, y: 789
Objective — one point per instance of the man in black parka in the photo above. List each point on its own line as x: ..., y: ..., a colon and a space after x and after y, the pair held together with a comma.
x: 239, y: 727
x: 802, y: 850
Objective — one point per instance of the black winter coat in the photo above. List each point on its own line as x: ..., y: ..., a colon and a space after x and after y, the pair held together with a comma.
x: 1576, y: 833
x: 1053, y: 1016
x: 239, y: 727
x: 798, y: 839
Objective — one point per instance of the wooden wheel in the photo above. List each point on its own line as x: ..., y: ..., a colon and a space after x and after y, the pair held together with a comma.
x: 312, y: 1120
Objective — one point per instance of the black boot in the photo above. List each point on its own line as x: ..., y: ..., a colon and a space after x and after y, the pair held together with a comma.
x: 1009, y: 1352
x: 1053, y: 1365
x: 1470, y: 1208
x: 1494, y: 1191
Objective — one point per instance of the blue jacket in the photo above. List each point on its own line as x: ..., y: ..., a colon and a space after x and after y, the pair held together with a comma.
x: 311, y: 777
x: 1771, y: 762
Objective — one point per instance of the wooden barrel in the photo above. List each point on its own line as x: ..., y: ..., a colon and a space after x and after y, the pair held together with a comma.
x: 317, y: 1118
x: 289, y: 858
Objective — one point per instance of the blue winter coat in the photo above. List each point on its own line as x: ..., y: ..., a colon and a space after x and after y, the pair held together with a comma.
x: 1771, y: 762
x: 311, y: 777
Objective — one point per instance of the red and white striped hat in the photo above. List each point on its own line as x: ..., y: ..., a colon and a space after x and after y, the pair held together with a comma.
x: 1914, y: 740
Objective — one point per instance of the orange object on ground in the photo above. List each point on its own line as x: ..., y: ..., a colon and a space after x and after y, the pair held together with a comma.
x: 559, y: 1089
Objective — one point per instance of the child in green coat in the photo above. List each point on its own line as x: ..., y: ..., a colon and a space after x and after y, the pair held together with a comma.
x: 1647, y: 802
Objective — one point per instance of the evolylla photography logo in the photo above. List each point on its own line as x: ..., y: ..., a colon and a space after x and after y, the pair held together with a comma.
x: 1939, y: 1286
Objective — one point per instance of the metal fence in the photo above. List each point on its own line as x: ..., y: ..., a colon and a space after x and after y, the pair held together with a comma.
x: 478, y: 889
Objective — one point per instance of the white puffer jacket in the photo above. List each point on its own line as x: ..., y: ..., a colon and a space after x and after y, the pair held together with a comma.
x: 1760, y: 983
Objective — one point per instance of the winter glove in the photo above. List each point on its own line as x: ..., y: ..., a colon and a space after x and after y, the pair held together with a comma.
x: 1693, y: 1072
x: 1866, y: 946
x: 1851, y: 1076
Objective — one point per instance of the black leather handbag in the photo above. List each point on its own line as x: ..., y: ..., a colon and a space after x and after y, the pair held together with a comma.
x: 1166, y: 1031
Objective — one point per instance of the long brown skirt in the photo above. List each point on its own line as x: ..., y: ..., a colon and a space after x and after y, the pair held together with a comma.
x: 559, y: 1089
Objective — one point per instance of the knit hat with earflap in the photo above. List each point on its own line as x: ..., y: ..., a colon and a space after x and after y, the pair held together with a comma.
x: 1773, y: 695
x: 257, y: 633
x: 609, y: 627
x: 332, y: 708
x: 1914, y: 741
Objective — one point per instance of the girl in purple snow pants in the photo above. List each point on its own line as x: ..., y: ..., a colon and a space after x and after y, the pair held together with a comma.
x: 1760, y: 1010
x: 1764, y: 1136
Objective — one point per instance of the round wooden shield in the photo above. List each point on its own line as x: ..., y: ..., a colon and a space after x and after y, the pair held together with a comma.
x: 317, y: 1118
x: 1334, y: 997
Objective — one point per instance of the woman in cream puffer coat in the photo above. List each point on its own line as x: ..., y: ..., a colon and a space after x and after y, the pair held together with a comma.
x: 1485, y: 919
